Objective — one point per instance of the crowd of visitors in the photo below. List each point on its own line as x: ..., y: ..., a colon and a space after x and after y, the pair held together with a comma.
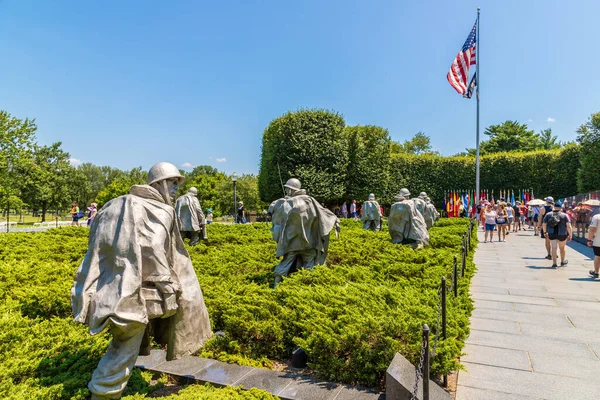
x: 554, y: 221
x: 351, y: 210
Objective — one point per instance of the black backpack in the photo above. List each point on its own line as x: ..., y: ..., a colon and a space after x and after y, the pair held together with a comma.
x: 554, y: 220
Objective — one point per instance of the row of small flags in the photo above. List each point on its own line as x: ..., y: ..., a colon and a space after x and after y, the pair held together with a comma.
x: 454, y: 199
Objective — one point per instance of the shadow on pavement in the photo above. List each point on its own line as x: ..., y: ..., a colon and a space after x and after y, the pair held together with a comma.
x: 589, y: 279
x: 537, y: 267
x: 582, y: 249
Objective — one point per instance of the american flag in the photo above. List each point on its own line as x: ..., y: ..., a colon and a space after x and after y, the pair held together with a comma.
x: 459, y: 71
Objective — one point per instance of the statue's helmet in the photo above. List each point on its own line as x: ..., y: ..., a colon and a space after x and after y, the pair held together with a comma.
x: 404, y: 192
x: 293, y: 183
x: 423, y: 195
x: 427, y: 198
x: 371, y: 197
x: 193, y: 191
x: 164, y: 170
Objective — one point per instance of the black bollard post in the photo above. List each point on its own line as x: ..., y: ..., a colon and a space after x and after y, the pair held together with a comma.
x: 426, y: 363
x: 455, y: 279
x: 464, y: 261
x: 444, y: 320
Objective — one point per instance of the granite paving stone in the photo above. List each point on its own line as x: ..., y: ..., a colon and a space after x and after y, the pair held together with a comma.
x: 155, y: 358
x: 185, y: 366
x: 596, y: 349
x: 575, y: 295
x: 354, y: 393
x: 494, y: 305
x: 585, y: 323
x: 469, y: 393
x: 222, y: 373
x: 538, y: 319
x: 494, y: 325
x: 537, y: 385
x: 507, y: 358
x: 567, y: 334
x: 303, y: 388
x: 271, y: 381
x: 582, y: 368
x: 488, y: 289
x: 534, y: 308
x: 515, y: 299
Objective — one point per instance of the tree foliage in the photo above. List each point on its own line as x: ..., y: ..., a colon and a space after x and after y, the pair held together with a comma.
x: 588, y: 136
x: 418, y: 144
x: 309, y: 145
x: 369, y: 156
x: 547, y: 141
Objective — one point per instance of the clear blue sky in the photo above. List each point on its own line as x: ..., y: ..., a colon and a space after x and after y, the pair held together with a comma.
x: 128, y: 83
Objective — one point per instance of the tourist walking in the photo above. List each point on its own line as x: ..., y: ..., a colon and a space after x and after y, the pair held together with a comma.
x: 209, y: 216
x: 353, y: 213
x: 501, y: 222
x: 344, y: 210
x: 92, y: 210
x: 510, y: 216
x: 543, y: 212
x: 75, y: 214
x: 536, y: 219
x: 594, y: 243
x: 517, y: 214
x: 581, y: 214
x: 240, y: 217
x: 488, y: 218
x: 557, y: 231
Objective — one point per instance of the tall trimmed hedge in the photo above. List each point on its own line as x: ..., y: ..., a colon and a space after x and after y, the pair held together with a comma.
x: 368, y: 170
x: 309, y: 145
x: 547, y: 172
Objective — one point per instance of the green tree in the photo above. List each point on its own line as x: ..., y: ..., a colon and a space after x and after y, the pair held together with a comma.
x: 121, y: 185
x: 369, y: 155
x: 309, y: 145
x: 588, y: 136
x: 246, y: 190
x: 207, y: 180
x: 49, y: 182
x: 17, y: 139
x: 418, y: 144
x: 547, y: 141
x: 508, y: 136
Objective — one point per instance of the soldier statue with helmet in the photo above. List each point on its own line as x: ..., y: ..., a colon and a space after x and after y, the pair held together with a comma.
x: 406, y: 224
x: 371, y: 214
x: 137, y: 280
x: 190, y: 217
x: 301, y: 228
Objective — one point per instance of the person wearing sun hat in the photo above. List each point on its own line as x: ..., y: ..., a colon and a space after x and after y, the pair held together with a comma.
x: 557, y: 231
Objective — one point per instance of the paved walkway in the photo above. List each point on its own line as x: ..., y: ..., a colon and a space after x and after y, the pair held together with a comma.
x: 535, y: 331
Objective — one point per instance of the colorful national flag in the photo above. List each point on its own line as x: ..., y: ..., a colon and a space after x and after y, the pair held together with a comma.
x: 459, y: 70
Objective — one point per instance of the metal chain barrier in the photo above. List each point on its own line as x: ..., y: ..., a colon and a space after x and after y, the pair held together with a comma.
x: 419, y: 371
x: 437, y: 324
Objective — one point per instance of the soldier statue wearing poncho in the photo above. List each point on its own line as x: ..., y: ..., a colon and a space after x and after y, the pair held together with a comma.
x: 371, y: 214
x: 420, y: 203
x: 137, y: 279
x: 190, y: 217
x: 406, y: 223
x: 301, y: 228
x: 431, y: 214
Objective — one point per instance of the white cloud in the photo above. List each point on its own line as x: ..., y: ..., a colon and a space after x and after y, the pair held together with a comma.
x: 529, y: 120
x: 187, y: 165
x: 550, y: 119
x: 221, y: 159
x: 75, y: 161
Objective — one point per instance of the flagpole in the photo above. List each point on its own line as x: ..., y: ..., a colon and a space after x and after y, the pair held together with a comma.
x: 478, y: 48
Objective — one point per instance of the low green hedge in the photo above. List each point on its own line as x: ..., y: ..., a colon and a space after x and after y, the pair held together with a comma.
x: 350, y: 316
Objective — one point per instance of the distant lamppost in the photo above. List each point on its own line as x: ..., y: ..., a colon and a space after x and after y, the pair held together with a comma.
x: 234, y: 178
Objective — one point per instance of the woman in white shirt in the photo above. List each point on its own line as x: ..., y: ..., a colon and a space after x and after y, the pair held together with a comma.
x: 488, y: 217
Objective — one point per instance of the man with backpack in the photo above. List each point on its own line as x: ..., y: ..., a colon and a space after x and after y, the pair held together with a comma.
x: 557, y: 230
